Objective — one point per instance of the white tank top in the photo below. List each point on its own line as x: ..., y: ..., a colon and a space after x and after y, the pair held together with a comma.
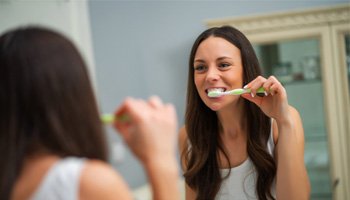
x: 241, y: 183
x: 61, y: 181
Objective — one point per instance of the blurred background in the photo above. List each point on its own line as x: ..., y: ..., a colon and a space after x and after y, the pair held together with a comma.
x: 141, y: 48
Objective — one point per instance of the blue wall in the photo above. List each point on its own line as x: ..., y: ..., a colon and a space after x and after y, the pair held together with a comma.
x: 141, y: 48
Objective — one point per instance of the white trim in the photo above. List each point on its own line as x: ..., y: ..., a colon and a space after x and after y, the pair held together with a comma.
x: 338, y: 32
x: 286, y: 20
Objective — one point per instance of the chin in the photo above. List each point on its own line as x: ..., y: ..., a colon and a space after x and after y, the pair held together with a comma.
x: 214, y: 107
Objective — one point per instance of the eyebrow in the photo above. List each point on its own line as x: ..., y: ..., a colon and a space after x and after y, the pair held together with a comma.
x: 199, y: 60
x: 224, y: 57
x: 220, y: 58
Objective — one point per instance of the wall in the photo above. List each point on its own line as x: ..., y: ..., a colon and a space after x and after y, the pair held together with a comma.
x: 71, y: 18
x: 141, y: 48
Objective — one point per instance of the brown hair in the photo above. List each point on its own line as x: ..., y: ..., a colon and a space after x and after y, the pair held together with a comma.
x: 46, y: 101
x: 201, y: 157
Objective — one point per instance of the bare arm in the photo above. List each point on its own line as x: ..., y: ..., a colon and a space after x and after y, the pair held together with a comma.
x: 151, y: 135
x: 163, y: 177
x: 291, y: 179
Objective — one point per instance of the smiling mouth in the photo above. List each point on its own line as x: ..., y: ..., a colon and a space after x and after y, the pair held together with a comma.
x: 215, y: 90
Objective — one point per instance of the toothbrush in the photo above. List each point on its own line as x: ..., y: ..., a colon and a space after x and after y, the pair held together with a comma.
x: 110, y: 118
x: 233, y: 92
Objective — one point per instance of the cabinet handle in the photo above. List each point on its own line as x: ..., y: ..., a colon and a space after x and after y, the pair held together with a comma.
x: 336, y: 183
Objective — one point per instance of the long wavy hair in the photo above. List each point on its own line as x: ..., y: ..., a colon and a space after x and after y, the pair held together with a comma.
x: 202, y: 172
x: 47, y: 102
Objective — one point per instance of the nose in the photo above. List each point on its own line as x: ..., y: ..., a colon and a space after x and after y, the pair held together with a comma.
x: 213, y: 74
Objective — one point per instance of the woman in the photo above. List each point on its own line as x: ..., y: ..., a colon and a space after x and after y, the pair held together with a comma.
x: 52, y: 140
x: 239, y: 147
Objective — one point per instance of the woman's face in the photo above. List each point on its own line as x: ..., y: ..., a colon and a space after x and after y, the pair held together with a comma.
x: 217, y: 66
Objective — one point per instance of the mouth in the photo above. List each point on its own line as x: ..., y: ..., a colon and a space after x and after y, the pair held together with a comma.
x: 216, y: 89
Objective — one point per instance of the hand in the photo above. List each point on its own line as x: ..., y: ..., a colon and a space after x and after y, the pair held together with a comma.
x: 151, y: 129
x: 274, y: 103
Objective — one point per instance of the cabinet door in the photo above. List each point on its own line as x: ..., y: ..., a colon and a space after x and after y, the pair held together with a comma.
x: 308, y: 51
x: 341, y: 47
x: 296, y: 63
x: 347, y: 57
x: 340, y: 33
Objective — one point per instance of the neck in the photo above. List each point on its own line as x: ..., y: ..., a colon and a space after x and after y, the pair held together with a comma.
x: 231, y: 120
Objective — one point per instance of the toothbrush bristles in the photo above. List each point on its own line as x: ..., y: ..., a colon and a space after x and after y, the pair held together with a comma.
x: 214, y: 94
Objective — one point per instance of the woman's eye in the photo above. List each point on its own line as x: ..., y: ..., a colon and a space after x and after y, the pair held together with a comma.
x: 224, y: 65
x: 199, y: 68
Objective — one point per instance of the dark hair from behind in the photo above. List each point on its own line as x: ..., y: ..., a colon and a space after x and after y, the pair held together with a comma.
x: 202, y: 170
x: 47, y: 102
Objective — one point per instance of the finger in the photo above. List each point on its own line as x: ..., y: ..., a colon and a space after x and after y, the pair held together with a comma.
x: 255, y: 85
x: 170, y: 108
x: 276, y: 86
x: 122, y: 110
x: 123, y: 129
x: 130, y: 108
x: 267, y: 85
x: 133, y: 109
x: 155, y: 101
x: 275, y: 89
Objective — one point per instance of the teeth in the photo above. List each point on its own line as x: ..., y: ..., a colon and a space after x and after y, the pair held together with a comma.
x: 216, y: 90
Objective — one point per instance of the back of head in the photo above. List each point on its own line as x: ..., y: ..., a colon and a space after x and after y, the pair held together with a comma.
x: 46, y: 101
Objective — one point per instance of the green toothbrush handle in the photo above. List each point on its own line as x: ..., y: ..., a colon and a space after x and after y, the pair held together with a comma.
x: 260, y: 90
x: 110, y: 118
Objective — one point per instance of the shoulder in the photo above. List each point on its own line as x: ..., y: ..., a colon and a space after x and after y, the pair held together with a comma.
x: 182, y: 136
x: 100, y: 181
x: 297, y: 122
x: 295, y: 114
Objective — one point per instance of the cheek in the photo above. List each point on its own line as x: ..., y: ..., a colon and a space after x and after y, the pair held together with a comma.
x: 197, y: 81
x: 237, y: 77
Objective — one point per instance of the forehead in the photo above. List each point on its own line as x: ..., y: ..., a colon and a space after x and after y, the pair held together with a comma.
x: 216, y: 46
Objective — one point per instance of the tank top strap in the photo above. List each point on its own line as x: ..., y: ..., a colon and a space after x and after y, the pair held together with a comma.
x: 270, y: 142
x: 61, y: 181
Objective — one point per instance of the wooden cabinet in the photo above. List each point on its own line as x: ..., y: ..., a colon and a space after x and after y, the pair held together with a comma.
x: 309, y: 51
